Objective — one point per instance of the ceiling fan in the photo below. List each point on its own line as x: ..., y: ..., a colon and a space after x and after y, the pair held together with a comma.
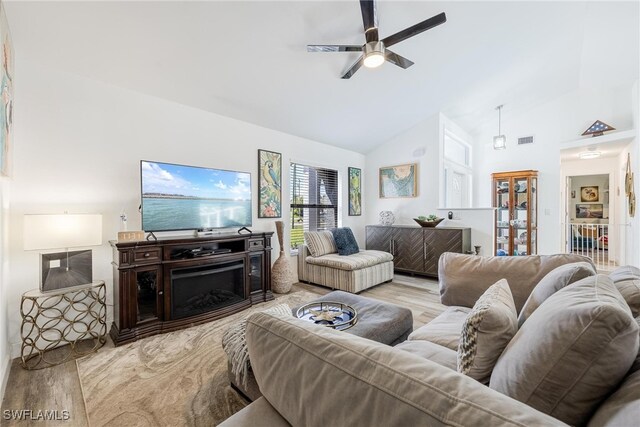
x: 375, y: 51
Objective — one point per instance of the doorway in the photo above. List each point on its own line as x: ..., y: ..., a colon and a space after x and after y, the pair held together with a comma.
x: 588, y: 221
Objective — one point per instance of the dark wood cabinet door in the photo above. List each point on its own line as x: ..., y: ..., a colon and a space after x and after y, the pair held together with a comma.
x: 437, y: 242
x: 146, y: 295
x: 379, y: 238
x: 407, y: 246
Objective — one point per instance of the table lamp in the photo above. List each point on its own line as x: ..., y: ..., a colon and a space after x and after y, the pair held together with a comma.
x: 63, y: 231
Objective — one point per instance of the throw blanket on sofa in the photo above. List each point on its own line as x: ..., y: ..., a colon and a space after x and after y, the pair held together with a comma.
x: 235, y: 345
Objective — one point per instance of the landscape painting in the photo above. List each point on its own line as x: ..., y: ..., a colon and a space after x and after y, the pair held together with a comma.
x: 6, y: 104
x: 270, y: 183
x: 355, y: 192
x: 398, y: 181
x: 593, y: 211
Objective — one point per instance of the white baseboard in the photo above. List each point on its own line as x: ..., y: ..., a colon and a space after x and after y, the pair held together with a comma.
x: 5, y: 368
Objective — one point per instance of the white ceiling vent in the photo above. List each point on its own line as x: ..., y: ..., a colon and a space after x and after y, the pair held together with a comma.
x: 525, y: 140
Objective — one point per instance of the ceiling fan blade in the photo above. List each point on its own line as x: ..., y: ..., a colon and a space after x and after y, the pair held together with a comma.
x: 333, y: 48
x: 415, y: 29
x: 369, y: 20
x: 396, y: 59
x: 351, y: 71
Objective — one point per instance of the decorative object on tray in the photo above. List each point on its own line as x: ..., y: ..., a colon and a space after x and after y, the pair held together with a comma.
x: 355, y: 192
x: 269, y: 184
x: 281, y: 272
x: 398, y: 181
x: 428, y: 221
x: 598, y: 128
x: 335, y: 315
x: 387, y: 218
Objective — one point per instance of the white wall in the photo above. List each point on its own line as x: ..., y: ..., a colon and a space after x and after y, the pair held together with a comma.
x: 416, y: 145
x: 423, y: 144
x: 78, y: 144
x: 560, y: 120
x: 5, y: 350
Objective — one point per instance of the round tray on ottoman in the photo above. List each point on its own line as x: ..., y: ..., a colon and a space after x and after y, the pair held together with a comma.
x: 335, y: 315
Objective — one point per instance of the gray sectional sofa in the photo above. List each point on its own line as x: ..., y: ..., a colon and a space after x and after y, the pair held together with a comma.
x: 574, y: 360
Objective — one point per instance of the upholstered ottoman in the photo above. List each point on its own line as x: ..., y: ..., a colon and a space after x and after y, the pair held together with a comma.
x: 378, y: 321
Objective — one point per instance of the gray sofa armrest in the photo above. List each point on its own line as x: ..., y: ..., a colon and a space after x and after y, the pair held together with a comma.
x: 464, y: 278
x: 316, y: 376
x: 258, y: 413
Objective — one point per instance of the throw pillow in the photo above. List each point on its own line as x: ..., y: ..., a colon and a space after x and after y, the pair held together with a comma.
x: 320, y: 243
x: 555, y: 280
x: 345, y: 241
x: 571, y: 352
x: 487, y: 330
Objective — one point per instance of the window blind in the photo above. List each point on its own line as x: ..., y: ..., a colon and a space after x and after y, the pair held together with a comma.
x: 314, y: 200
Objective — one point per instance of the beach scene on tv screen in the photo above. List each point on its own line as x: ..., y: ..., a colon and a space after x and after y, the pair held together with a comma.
x: 176, y: 197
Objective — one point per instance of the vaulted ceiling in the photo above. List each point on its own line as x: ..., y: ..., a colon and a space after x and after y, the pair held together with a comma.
x: 248, y: 60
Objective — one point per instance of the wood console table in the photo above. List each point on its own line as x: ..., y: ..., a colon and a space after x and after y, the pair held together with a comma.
x: 213, y: 276
x: 418, y: 249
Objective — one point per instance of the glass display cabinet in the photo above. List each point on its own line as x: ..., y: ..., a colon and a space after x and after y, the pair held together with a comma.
x: 516, y: 219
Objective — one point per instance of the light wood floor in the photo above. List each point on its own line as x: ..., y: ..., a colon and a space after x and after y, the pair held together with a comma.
x: 58, y: 388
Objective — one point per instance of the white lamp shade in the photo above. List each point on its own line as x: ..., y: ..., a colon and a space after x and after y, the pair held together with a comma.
x: 61, y: 231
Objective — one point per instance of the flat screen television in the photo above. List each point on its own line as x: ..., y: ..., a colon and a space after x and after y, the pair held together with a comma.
x: 178, y: 197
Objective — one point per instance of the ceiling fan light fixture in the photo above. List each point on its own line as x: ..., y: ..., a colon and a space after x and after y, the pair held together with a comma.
x: 373, y: 54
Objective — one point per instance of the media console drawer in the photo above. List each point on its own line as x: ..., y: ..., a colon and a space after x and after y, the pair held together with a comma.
x: 256, y: 244
x: 147, y: 254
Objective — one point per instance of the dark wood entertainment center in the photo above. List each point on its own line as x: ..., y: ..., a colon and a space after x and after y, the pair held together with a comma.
x: 170, y: 284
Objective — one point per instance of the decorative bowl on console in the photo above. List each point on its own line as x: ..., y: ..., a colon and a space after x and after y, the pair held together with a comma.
x: 427, y: 223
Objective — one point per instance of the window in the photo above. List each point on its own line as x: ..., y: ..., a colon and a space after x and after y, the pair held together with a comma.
x: 314, y: 201
x: 457, y: 172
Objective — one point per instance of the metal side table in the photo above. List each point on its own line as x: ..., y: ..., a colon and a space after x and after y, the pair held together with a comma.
x: 62, y: 325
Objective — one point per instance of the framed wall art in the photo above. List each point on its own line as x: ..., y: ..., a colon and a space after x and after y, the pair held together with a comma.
x: 589, y: 194
x: 355, y: 192
x: 270, y: 184
x: 593, y: 211
x: 6, y: 89
x: 398, y: 181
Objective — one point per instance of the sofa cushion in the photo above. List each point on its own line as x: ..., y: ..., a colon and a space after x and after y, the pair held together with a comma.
x: 571, y: 352
x: 627, y: 280
x: 555, y: 280
x: 443, y: 330
x: 362, y: 259
x: 626, y: 272
x: 622, y: 408
x: 316, y: 376
x: 487, y: 330
x: 636, y: 363
x: 345, y: 241
x: 428, y: 350
x: 463, y: 278
x: 320, y: 243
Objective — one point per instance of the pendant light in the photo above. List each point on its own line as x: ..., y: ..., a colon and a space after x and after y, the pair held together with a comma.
x: 499, y: 141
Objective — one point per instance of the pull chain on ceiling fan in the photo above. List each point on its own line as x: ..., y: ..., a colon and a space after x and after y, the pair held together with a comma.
x: 375, y: 51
